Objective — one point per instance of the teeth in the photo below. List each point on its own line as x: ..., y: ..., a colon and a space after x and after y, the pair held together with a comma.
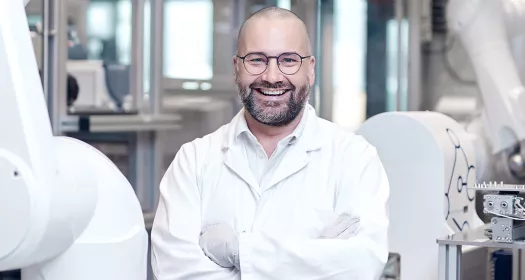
x: 273, y: 92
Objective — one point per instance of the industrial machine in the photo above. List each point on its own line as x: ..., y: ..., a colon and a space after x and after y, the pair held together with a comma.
x: 66, y: 211
x: 437, y: 167
x: 506, y: 208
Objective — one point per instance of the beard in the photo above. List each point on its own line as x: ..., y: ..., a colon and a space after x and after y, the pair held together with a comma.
x: 274, y: 113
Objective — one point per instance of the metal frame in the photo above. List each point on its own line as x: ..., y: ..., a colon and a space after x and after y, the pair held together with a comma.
x: 326, y: 67
x: 137, y: 53
x: 54, y: 58
x: 449, y: 262
x: 414, y: 91
x: 518, y: 262
x: 310, y: 12
x: 450, y: 253
x: 149, y: 119
x: 156, y: 54
x: 156, y: 94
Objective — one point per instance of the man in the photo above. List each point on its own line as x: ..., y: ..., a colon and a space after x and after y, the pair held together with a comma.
x: 278, y: 193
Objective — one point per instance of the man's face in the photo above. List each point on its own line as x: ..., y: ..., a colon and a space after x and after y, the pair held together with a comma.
x: 269, y: 95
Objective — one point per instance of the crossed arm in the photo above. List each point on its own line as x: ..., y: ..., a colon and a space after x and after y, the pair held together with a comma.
x: 176, y: 252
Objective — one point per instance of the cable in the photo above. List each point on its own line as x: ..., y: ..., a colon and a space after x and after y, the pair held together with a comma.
x: 504, y: 216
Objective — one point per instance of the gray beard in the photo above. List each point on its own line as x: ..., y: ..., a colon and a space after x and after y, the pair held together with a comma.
x: 295, y: 104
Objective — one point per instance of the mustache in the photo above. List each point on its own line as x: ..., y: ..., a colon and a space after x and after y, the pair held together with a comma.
x: 265, y: 84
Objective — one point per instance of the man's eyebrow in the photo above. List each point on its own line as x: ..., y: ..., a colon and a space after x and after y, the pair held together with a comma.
x: 257, y: 52
x: 277, y: 54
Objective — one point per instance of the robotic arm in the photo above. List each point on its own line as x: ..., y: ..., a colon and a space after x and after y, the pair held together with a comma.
x: 66, y: 211
x: 485, y: 28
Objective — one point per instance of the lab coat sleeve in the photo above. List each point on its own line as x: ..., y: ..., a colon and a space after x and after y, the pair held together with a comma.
x: 175, y: 250
x: 363, y: 193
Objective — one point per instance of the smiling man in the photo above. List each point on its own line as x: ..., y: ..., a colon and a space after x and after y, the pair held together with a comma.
x: 269, y: 88
x: 278, y: 193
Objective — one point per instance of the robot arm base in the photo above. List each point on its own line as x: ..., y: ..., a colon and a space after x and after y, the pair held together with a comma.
x: 106, y: 260
x: 113, y: 242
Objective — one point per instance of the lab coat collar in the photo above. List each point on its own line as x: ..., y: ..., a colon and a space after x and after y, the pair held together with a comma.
x: 306, y: 130
x: 241, y: 129
x: 296, y: 159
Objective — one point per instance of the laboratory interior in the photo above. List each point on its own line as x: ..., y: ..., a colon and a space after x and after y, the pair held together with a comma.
x: 134, y: 80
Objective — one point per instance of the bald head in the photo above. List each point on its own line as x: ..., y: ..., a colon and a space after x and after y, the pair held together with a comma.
x: 271, y: 14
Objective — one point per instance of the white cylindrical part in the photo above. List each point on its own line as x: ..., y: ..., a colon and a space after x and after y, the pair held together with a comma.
x: 51, y: 218
x: 14, y: 198
x: 114, y: 245
x: 40, y: 213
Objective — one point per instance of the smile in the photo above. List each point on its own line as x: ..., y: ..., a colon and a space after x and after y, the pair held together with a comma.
x: 272, y: 92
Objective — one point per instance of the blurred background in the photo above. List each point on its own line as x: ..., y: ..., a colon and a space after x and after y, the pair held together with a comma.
x: 138, y: 78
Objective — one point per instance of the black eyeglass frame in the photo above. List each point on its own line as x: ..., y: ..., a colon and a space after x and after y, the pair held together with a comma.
x: 277, y: 60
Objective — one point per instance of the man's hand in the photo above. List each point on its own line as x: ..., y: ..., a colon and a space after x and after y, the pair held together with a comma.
x: 221, y: 244
x: 343, y: 228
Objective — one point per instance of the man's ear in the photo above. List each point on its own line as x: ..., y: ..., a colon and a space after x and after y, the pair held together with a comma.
x: 311, y: 70
x: 235, y: 69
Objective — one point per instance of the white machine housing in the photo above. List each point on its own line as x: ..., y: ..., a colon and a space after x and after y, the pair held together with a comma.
x: 90, y: 76
x: 485, y: 29
x: 430, y: 161
x: 66, y: 211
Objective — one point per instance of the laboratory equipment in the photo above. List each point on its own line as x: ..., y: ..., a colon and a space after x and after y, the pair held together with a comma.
x: 485, y: 29
x: 506, y: 208
x: 416, y: 152
x: 66, y: 211
x: 505, y: 231
x: 430, y: 163
x: 93, y: 95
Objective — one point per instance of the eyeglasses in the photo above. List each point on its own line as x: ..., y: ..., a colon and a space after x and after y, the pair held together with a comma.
x: 257, y: 63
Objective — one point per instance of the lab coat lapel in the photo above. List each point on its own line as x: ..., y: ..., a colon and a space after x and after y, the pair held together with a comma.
x: 294, y: 161
x: 235, y: 155
x: 235, y: 158
x: 298, y: 155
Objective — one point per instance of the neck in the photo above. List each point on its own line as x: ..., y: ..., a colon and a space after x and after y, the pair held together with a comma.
x: 268, y: 133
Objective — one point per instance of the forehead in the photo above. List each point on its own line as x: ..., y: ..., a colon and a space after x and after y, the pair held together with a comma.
x: 274, y: 36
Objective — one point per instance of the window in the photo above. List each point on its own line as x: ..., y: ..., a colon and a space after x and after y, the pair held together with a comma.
x: 100, y: 20
x: 109, y: 36
x: 285, y: 4
x: 188, y: 39
x: 123, y: 31
x: 395, y: 78
x: 349, y: 96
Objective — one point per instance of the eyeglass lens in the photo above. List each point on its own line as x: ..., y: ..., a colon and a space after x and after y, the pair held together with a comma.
x: 288, y: 63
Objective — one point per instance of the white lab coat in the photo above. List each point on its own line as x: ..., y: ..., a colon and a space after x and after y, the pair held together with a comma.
x: 327, y: 172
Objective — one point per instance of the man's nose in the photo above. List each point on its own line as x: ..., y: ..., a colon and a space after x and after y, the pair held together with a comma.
x: 272, y: 73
